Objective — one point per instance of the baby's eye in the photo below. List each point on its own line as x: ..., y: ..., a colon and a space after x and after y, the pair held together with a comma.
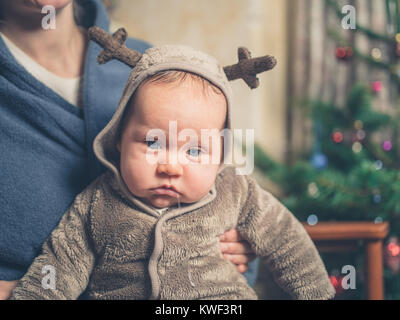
x: 194, y: 152
x: 153, y: 144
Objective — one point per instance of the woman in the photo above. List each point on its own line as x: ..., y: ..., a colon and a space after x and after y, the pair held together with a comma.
x: 54, y: 99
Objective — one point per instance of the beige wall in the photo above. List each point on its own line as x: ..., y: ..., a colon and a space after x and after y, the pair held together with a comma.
x: 219, y: 27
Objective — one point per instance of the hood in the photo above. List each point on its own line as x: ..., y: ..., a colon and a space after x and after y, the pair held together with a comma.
x: 155, y: 60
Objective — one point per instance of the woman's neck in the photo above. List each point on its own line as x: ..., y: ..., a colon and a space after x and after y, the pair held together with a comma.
x: 61, y: 50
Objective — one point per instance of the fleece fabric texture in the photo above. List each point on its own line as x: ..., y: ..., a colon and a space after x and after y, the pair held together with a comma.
x: 46, y: 155
x: 111, y: 245
x: 104, y: 243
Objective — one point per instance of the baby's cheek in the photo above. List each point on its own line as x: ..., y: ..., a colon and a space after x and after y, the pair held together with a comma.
x: 199, y: 179
x: 135, y: 172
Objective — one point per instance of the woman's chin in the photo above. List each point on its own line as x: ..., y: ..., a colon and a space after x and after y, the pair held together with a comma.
x: 37, y: 5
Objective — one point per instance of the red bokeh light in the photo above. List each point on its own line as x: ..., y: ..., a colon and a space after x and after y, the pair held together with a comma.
x: 394, y: 249
x: 337, y: 137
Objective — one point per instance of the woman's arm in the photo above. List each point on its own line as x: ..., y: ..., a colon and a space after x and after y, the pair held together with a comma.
x: 6, y: 287
x: 237, y: 250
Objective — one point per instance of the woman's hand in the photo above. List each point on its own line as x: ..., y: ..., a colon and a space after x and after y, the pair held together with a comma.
x: 6, y: 287
x: 236, y: 250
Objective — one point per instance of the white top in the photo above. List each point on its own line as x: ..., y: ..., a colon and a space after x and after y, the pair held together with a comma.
x: 68, y: 88
x: 161, y: 211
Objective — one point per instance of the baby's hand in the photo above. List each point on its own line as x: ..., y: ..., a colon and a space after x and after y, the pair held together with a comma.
x: 236, y: 250
x: 6, y: 287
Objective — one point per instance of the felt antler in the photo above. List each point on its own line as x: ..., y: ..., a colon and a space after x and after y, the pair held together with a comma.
x: 248, y: 68
x: 114, y: 46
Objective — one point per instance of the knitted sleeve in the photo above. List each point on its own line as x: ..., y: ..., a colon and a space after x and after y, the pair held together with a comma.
x: 62, y: 270
x: 284, y: 245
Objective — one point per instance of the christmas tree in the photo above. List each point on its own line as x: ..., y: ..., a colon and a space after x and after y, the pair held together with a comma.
x: 352, y: 172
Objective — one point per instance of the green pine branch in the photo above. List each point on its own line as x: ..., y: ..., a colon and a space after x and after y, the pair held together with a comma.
x: 367, y: 31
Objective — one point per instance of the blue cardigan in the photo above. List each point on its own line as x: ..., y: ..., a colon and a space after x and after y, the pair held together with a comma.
x: 46, y: 155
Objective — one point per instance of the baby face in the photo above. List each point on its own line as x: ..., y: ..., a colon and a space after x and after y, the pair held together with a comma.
x: 179, y: 174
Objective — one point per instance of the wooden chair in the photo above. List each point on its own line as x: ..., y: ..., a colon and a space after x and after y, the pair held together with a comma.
x: 345, y: 236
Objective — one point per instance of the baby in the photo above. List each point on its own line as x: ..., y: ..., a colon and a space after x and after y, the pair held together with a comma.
x: 150, y: 226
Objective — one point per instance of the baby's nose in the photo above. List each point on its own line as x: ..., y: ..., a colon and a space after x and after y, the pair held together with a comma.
x: 170, y: 169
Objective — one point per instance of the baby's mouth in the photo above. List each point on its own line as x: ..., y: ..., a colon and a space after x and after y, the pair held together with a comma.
x: 166, y: 190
